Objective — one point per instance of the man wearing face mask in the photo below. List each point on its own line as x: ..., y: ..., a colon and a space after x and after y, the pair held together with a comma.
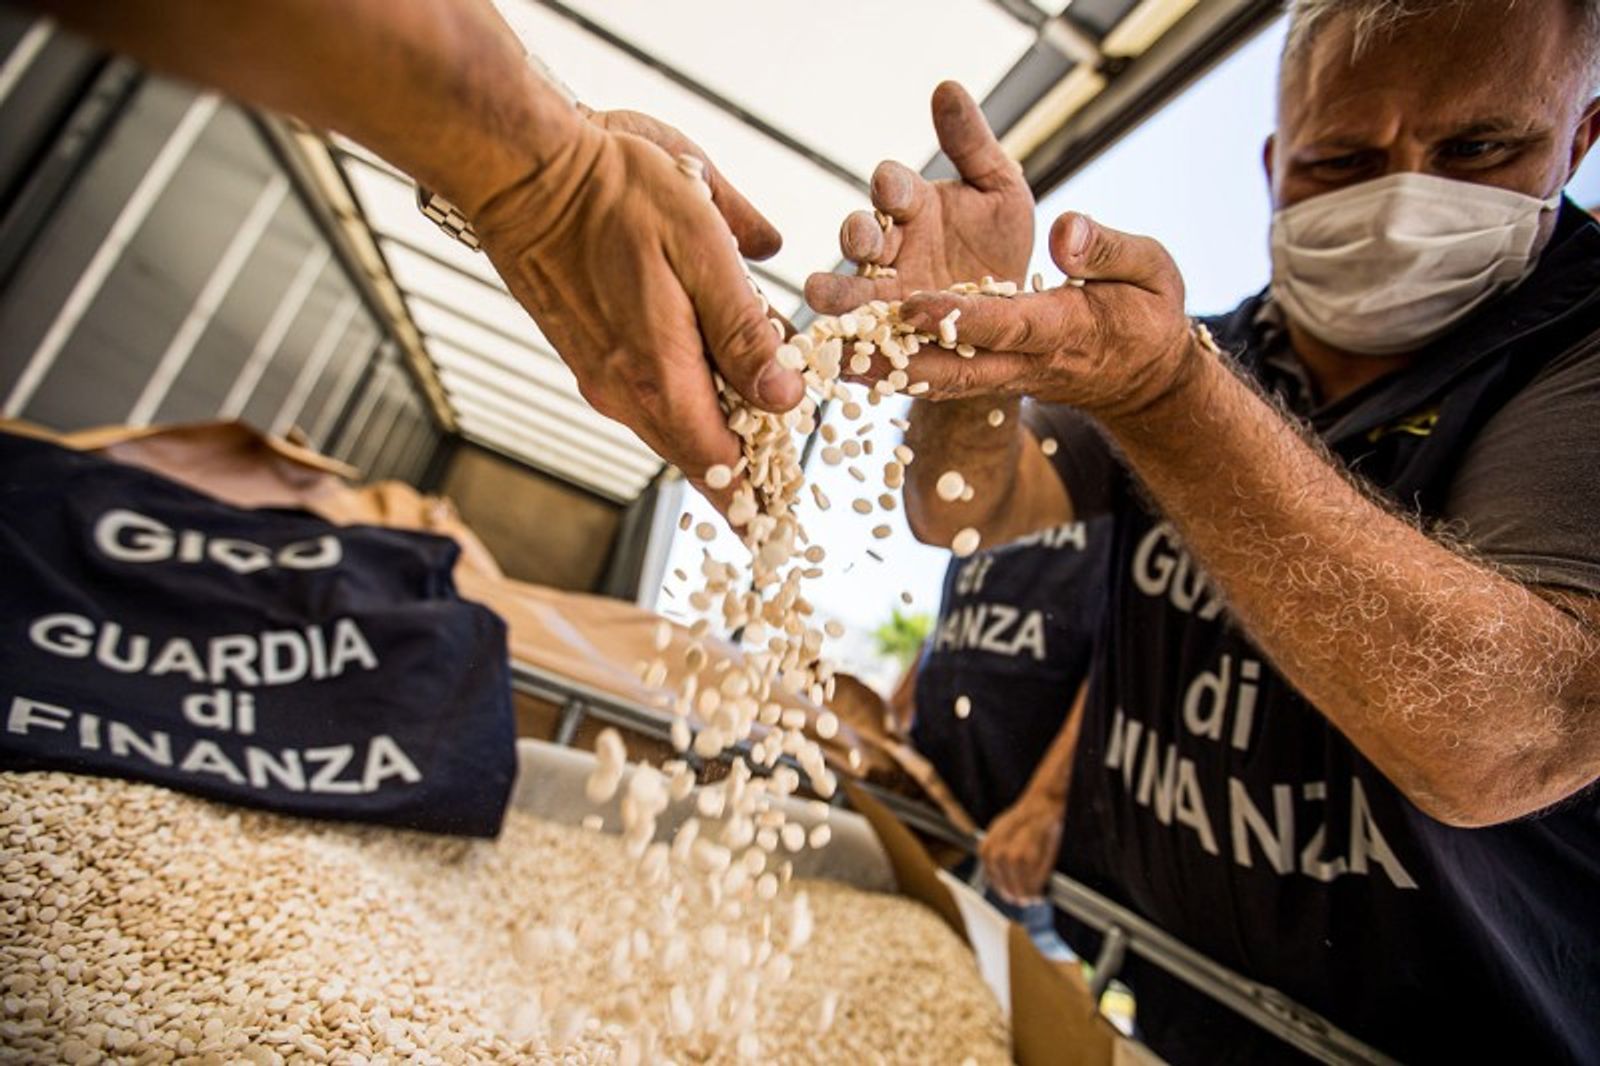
x: 1346, y: 724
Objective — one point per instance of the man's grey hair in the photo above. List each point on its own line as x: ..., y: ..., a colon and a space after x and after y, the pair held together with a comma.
x: 1377, y: 19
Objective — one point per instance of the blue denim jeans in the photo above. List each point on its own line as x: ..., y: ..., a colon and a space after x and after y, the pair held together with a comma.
x: 1040, y: 921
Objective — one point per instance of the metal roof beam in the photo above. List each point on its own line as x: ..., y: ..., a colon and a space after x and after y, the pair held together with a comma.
x: 466, y: 392
x: 1023, y: 12
x: 1141, y: 86
x: 478, y: 323
x: 576, y: 456
x: 485, y: 373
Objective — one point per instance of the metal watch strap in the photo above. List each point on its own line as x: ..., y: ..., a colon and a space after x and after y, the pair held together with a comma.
x: 446, y: 215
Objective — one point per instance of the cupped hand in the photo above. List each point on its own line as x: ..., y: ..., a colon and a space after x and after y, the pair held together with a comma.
x: 757, y: 237
x: 942, y: 232
x: 1113, y: 346
x: 631, y: 272
x: 1019, y: 850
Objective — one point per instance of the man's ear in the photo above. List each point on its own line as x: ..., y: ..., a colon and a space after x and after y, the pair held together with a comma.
x: 1584, y: 136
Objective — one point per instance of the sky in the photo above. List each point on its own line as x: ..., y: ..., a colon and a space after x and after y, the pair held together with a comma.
x: 1190, y: 176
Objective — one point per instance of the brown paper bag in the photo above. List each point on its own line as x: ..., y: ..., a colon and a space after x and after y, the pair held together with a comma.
x: 1054, y: 1022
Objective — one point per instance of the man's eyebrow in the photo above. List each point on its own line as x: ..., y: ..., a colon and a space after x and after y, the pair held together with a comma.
x: 1340, y: 140
x: 1519, y: 128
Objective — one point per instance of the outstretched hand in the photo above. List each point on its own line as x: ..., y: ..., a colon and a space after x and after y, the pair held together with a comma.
x: 939, y: 232
x: 1112, y: 345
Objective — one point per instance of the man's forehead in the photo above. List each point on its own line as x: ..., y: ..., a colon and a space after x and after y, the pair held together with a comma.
x: 1482, y: 64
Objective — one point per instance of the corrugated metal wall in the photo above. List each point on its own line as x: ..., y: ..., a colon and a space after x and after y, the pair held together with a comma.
x: 157, y: 265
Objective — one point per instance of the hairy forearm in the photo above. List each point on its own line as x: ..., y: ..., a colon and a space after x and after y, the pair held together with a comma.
x: 1014, y: 490
x: 1053, y: 775
x: 1472, y: 693
x: 440, y: 89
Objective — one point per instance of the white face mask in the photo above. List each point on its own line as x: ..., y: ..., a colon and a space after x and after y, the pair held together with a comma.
x: 1387, y: 265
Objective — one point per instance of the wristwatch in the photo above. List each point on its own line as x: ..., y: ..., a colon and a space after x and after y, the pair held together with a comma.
x: 448, y: 217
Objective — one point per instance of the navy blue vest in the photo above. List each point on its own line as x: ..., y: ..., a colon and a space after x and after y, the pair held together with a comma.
x: 1228, y: 811
x: 260, y: 657
x: 1014, y: 636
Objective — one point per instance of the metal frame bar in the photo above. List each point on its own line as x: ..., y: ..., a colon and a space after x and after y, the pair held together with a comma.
x: 557, y: 403
x: 374, y: 383
x: 329, y: 224
x: 376, y: 428
x: 283, y: 318
x: 1142, y: 86
x: 329, y: 340
x: 209, y: 299
x: 598, y: 451
x: 130, y: 218
x: 469, y: 392
x: 22, y: 55
x: 477, y: 323
x: 338, y: 370
x: 1125, y: 930
x: 331, y: 419
x: 408, y: 461
x: 88, y: 119
x: 1022, y: 11
x: 706, y: 93
x: 409, y: 421
x: 1268, y: 1008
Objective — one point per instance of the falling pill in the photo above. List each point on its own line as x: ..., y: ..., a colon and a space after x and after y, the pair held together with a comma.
x: 965, y: 542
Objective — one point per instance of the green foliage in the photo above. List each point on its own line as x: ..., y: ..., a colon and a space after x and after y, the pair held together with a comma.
x: 902, y: 635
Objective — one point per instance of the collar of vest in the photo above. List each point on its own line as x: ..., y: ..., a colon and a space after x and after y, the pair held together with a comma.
x: 1556, y: 307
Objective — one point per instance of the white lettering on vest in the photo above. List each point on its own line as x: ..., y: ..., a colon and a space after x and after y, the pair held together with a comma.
x: 130, y: 537
x: 1162, y: 567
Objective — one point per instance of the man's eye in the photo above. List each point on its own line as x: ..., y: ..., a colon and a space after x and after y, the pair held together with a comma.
x: 1479, y: 152
x: 1338, y: 167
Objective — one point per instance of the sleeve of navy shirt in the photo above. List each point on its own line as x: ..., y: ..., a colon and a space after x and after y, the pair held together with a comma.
x: 1084, y: 459
x: 1528, y: 490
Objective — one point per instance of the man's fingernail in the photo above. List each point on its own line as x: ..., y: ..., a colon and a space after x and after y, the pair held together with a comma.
x: 775, y: 386
x: 1077, y: 235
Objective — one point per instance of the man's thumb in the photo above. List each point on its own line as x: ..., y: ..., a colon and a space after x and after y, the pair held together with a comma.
x: 1083, y: 248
